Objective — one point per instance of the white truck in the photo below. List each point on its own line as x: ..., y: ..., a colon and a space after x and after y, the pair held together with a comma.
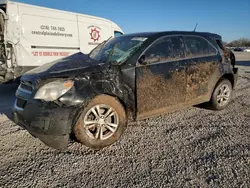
x: 31, y: 36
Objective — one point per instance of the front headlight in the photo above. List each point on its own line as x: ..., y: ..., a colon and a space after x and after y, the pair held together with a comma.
x: 54, y: 90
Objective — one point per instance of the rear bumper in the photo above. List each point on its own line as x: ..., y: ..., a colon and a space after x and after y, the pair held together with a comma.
x: 47, y: 121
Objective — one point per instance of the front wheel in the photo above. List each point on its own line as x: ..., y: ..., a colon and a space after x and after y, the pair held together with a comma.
x: 222, y: 95
x: 101, y: 123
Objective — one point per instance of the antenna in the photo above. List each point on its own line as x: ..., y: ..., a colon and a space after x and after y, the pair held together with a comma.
x: 195, y: 27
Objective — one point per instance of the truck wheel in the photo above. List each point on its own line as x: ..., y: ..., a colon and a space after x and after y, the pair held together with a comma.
x: 222, y: 95
x: 101, y: 123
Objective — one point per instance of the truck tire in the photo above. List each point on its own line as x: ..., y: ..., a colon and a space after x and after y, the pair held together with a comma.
x: 102, y: 122
x: 222, y: 95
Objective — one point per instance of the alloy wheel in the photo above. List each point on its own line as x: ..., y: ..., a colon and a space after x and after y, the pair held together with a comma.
x: 101, y: 122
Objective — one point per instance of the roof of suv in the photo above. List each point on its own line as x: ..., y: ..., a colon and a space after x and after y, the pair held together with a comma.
x: 163, y: 33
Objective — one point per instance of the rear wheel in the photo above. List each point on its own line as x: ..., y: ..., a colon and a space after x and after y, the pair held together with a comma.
x: 222, y: 95
x: 101, y: 123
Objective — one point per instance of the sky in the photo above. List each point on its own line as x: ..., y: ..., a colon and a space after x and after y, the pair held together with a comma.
x: 229, y: 18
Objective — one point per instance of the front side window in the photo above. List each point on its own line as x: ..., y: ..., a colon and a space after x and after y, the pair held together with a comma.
x: 165, y: 49
x: 197, y: 46
x: 117, y: 49
x: 118, y: 33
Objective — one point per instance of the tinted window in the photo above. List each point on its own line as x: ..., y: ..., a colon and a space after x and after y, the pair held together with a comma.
x: 198, y: 46
x: 118, y: 33
x: 220, y: 44
x: 165, y: 49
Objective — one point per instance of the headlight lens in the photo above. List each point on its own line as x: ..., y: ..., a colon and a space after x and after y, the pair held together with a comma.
x: 54, y: 90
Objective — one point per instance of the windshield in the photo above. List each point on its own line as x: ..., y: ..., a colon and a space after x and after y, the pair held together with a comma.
x: 117, y: 50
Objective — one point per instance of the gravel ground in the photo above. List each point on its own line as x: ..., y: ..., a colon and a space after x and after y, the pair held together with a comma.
x: 193, y: 147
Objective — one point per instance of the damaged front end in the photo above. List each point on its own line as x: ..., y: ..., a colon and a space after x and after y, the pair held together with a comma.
x: 50, y: 98
x: 47, y: 119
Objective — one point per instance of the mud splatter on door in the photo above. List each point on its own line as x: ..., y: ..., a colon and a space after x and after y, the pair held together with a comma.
x: 160, y: 85
x: 199, y: 74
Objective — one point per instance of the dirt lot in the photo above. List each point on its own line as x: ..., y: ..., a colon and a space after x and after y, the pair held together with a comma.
x: 193, y: 147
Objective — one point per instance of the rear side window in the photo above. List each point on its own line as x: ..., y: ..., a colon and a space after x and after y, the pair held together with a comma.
x: 165, y: 49
x: 197, y: 46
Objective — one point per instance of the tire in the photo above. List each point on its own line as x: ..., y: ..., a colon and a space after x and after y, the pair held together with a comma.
x: 224, y: 90
x: 98, y: 125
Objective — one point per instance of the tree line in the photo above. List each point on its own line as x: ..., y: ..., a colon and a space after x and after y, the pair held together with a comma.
x: 242, y: 42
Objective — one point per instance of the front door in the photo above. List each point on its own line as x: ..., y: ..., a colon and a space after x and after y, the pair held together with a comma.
x: 161, y: 82
x: 202, y: 68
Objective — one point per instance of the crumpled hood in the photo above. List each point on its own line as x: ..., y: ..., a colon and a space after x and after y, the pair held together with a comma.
x: 68, y: 66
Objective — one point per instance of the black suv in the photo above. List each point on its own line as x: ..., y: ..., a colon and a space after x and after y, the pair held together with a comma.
x: 130, y: 77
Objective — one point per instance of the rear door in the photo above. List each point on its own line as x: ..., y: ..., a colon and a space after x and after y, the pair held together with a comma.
x: 161, y: 82
x: 202, y: 67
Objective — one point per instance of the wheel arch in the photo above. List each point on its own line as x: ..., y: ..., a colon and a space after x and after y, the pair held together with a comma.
x: 129, y: 112
x: 229, y: 77
x: 118, y: 106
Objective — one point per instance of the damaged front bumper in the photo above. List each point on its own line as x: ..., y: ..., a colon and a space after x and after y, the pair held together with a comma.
x: 47, y: 121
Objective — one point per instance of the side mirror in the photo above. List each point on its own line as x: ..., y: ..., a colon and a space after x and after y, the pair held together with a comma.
x: 142, y: 60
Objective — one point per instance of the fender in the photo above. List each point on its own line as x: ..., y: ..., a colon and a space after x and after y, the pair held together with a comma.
x: 109, y: 83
